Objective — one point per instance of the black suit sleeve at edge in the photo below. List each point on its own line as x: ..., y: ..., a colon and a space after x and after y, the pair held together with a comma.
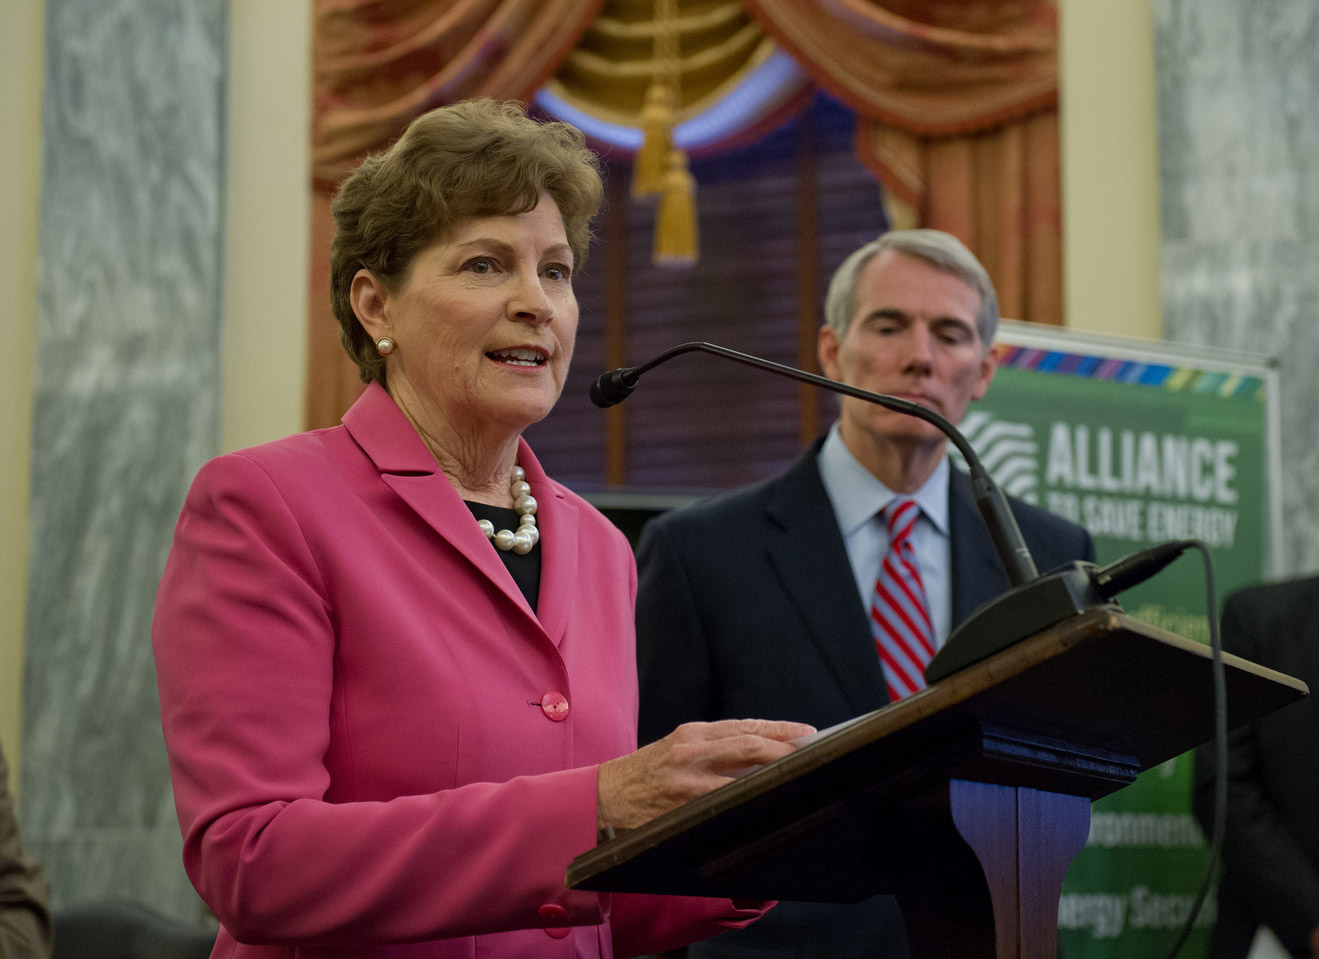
x: 1264, y: 866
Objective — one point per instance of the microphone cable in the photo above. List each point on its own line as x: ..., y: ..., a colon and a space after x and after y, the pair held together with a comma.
x: 1220, y: 747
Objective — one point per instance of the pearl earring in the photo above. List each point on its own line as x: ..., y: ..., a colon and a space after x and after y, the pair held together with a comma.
x: 384, y: 346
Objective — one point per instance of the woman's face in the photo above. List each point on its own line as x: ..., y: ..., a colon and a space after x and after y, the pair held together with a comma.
x: 486, y: 321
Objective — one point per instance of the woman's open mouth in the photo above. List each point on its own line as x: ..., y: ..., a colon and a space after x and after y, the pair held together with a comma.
x: 519, y: 356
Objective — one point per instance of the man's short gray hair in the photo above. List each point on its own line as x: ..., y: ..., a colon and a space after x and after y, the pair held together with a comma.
x: 941, y: 249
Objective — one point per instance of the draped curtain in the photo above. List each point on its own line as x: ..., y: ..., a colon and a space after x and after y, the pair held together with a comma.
x: 955, y: 99
x: 606, y: 75
x: 957, y: 108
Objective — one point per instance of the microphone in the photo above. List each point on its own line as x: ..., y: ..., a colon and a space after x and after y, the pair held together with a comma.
x: 614, y: 387
x: 617, y: 385
x: 1033, y: 603
x: 1023, y: 611
x: 1138, y: 567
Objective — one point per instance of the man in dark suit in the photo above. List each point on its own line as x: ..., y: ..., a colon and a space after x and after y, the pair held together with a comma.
x: 762, y: 601
x: 1271, y: 837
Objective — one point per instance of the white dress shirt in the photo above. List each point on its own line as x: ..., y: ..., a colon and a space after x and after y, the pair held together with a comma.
x: 858, y: 497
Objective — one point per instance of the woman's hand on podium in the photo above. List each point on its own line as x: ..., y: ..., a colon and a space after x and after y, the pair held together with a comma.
x: 689, y: 762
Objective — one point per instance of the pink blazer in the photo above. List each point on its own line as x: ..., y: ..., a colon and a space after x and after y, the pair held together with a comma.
x: 360, y: 709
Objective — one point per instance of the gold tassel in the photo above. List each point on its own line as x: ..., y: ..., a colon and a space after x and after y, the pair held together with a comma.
x: 676, y: 236
x: 657, y: 129
x: 660, y: 166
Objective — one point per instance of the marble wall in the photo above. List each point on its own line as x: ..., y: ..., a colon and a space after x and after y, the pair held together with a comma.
x: 1238, y: 85
x: 126, y: 408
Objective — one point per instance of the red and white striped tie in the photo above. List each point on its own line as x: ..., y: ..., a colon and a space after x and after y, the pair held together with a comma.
x: 900, y: 615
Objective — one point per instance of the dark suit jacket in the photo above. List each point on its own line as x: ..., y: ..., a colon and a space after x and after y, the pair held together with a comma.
x: 1271, y: 838
x: 747, y: 608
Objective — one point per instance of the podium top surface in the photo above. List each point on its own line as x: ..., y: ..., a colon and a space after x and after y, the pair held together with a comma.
x: 1079, y: 709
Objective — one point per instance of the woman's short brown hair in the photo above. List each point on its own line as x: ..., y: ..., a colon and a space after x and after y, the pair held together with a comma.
x: 471, y: 159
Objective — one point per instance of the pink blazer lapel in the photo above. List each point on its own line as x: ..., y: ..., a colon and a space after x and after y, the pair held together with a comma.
x: 437, y: 503
x: 559, y: 524
x: 407, y: 467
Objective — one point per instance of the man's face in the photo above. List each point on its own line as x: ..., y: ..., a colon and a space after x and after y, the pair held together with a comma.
x: 914, y: 336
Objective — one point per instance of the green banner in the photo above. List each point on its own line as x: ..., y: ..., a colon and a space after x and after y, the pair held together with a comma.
x: 1139, y: 445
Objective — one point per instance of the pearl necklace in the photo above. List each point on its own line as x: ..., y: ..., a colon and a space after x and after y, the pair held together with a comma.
x: 527, y: 535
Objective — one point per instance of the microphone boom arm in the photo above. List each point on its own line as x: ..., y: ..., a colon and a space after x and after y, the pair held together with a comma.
x: 613, y: 387
x: 1034, y: 603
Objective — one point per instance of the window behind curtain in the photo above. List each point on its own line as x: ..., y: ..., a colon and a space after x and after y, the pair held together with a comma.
x: 700, y: 422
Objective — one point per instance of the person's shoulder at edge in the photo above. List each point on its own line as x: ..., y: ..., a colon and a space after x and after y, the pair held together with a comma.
x: 1255, y: 617
x: 1301, y: 588
x: 24, y: 892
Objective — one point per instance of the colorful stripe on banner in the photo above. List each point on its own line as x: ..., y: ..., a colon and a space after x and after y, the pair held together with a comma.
x: 1171, y: 378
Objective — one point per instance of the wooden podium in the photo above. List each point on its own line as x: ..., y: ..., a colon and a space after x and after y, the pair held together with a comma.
x: 966, y: 801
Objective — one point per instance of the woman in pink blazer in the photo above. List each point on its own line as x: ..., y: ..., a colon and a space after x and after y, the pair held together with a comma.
x: 396, y: 660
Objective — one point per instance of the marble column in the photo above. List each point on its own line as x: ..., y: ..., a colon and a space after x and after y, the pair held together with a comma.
x: 126, y: 408
x: 1239, y: 187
